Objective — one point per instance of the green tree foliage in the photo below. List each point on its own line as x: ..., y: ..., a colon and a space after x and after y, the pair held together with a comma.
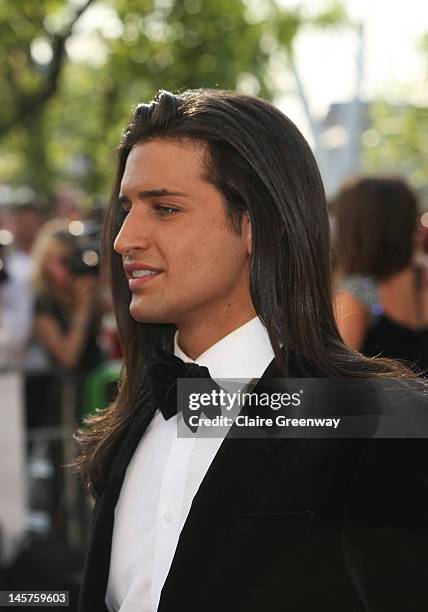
x: 26, y: 86
x: 397, y: 141
x: 61, y: 116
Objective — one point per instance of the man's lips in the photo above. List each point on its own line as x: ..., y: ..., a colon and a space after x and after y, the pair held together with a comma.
x: 140, y: 273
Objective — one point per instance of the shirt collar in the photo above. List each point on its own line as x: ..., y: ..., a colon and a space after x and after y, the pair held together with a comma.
x: 245, y: 353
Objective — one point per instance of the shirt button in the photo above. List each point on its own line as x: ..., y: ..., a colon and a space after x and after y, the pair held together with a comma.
x: 167, y: 515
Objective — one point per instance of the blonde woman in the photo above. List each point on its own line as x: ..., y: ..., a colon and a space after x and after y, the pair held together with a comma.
x: 67, y: 307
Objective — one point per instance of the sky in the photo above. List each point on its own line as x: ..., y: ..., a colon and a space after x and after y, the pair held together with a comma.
x: 392, y: 67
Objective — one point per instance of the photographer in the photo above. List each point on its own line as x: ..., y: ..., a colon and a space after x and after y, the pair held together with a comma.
x: 67, y: 307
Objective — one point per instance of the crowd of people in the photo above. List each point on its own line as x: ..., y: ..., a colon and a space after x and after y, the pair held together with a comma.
x: 57, y: 330
x: 52, y: 302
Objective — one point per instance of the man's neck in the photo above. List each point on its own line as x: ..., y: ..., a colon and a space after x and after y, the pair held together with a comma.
x: 195, y: 340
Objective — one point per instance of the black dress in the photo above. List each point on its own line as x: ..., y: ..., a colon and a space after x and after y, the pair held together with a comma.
x: 385, y: 337
x: 44, y: 389
x: 390, y: 339
x: 91, y: 354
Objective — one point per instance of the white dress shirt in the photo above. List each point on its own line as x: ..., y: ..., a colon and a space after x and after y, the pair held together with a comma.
x: 163, y: 477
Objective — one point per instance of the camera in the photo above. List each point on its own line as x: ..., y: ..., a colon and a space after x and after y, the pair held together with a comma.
x: 86, y: 255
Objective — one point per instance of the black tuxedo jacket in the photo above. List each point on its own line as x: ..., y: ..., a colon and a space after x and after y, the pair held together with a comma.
x: 292, y: 525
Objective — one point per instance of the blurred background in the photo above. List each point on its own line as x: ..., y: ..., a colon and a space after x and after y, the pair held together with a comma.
x: 351, y: 74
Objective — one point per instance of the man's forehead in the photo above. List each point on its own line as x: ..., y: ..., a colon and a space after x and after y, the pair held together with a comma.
x: 161, y: 147
x: 169, y: 163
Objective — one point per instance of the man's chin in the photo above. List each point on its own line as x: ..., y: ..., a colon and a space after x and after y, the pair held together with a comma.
x: 143, y: 316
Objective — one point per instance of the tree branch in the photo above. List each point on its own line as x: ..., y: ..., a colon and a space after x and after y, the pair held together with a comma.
x: 29, y: 106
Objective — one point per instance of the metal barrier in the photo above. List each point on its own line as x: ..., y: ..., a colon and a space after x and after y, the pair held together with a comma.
x: 66, y: 398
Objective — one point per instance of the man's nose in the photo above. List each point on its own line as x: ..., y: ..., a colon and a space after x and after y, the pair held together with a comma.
x: 132, y: 235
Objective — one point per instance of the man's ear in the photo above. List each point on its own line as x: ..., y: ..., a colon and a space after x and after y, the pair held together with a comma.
x: 247, y: 232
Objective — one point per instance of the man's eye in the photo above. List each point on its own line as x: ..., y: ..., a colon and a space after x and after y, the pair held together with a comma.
x: 165, y: 211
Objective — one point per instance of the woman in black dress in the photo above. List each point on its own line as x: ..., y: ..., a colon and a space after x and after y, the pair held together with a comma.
x: 67, y: 316
x: 382, y: 282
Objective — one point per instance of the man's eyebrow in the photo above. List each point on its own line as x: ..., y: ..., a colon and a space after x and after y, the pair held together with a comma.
x: 158, y: 193
x: 151, y: 193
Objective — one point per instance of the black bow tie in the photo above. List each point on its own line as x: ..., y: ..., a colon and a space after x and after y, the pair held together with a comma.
x: 162, y: 378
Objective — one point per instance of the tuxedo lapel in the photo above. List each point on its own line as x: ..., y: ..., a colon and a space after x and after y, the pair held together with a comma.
x: 197, y: 570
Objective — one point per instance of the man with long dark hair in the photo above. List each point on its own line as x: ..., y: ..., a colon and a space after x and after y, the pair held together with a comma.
x: 217, y: 245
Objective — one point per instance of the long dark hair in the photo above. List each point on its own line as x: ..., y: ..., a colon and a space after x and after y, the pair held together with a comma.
x: 261, y: 164
x: 376, y: 220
